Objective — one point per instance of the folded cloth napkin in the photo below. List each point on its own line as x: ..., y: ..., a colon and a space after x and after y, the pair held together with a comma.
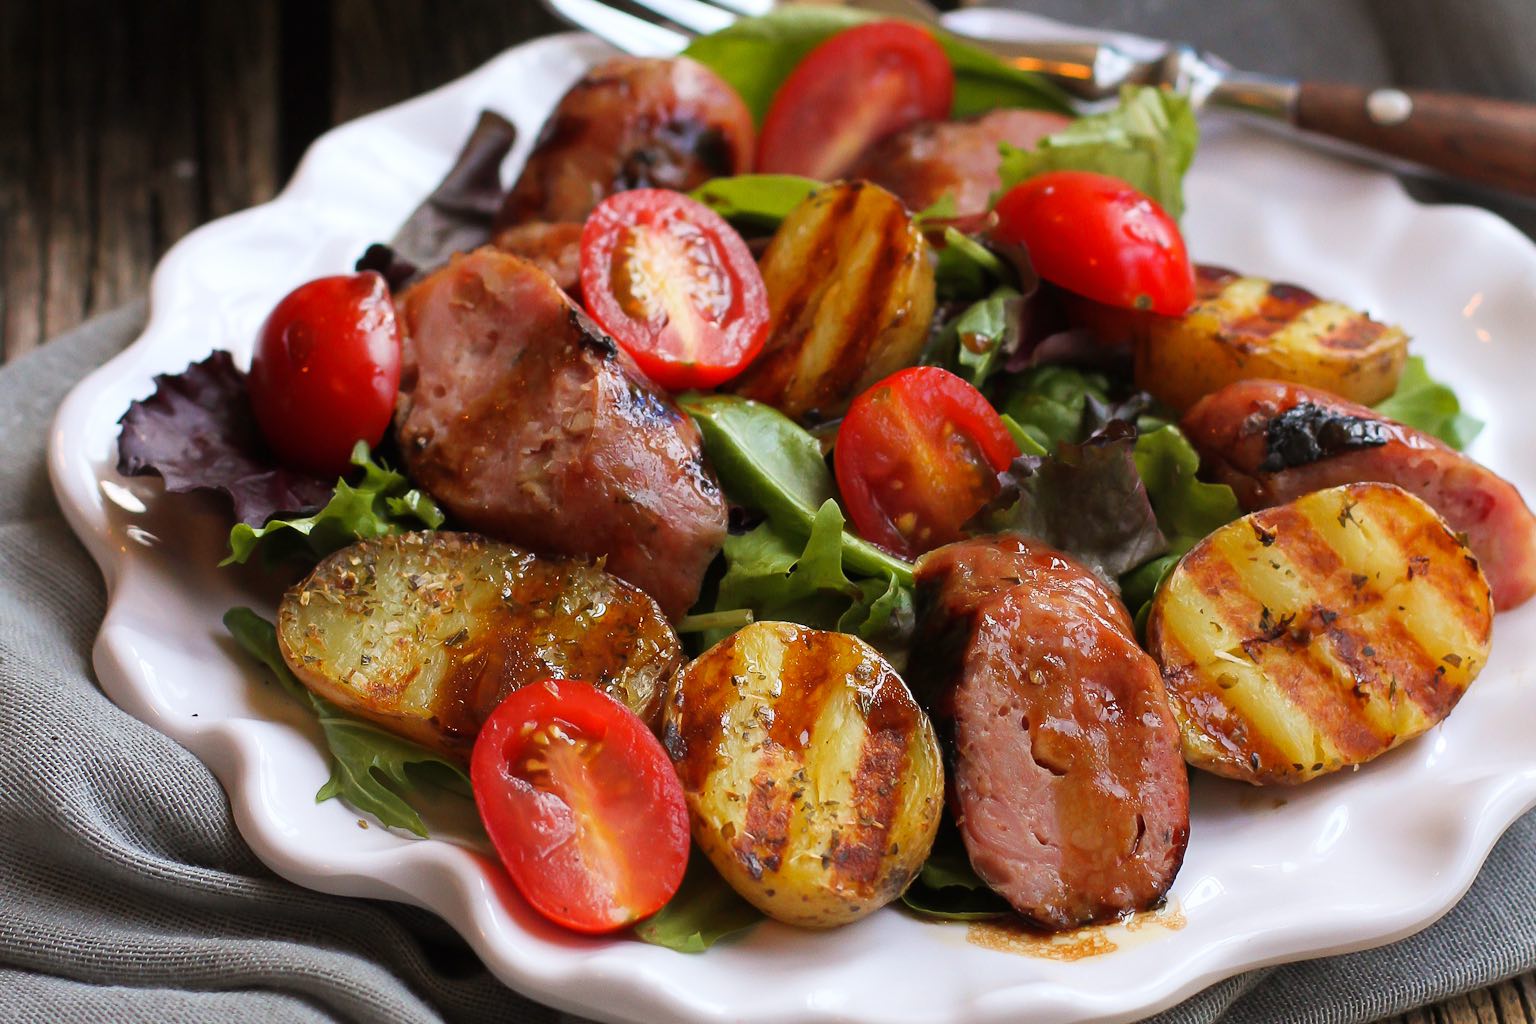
x: 126, y: 893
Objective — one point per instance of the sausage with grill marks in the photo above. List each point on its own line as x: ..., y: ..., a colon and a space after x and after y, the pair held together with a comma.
x: 1068, y: 781
x: 1273, y: 442
x: 530, y: 425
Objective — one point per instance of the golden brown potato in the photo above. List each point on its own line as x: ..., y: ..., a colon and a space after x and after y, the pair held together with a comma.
x: 425, y: 633
x: 1320, y: 634
x: 813, y: 778
x: 1247, y: 327
x: 850, y: 296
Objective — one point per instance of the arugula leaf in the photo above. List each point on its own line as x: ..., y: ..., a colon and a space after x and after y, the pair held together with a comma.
x: 382, y: 502
x: 755, y: 55
x: 1148, y: 141
x: 703, y: 911
x: 369, y: 767
x: 1426, y: 404
x: 756, y: 201
x: 1188, y: 510
x: 766, y: 461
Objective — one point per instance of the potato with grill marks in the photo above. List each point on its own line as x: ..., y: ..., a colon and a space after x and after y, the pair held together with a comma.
x: 813, y: 778
x: 850, y: 297
x: 425, y: 633
x: 1246, y: 327
x: 1318, y: 635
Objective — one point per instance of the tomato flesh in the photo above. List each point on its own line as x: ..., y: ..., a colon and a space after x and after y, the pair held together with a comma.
x: 1097, y: 236
x: 917, y: 457
x: 675, y: 285
x: 582, y: 805
x: 857, y: 87
x: 326, y: 371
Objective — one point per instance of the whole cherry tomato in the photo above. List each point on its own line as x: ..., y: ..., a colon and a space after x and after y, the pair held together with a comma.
x: 917, y: 457
x: 859, y: 86
x: 326, y: 371
x: 675, y: 285
x: 582, y: 804
x: 1099, y: 237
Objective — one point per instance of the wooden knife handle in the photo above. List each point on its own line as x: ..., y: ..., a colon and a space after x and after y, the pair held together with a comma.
x: 1483, y: 140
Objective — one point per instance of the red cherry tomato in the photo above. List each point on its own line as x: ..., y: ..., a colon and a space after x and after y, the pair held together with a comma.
x: 582, y: 804
x: 675, y: 285
x: 326, y: 371
x: 917, y: 456
x: 1099, y: 237
x: 859, y: 86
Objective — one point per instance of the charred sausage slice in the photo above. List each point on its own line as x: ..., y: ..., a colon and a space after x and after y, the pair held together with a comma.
x: 530, y: 425
x: 631, y: 122
x: 1273, y: 442
x: 1069, y: 785
x: 928, y: 161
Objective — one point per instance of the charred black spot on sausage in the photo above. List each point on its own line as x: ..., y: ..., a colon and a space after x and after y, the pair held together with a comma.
x: 1308, y: 433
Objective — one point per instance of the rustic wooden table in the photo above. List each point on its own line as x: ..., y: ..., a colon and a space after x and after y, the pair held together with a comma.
x: 117, y: 141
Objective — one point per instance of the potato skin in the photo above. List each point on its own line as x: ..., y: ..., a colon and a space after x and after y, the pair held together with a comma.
x: 850, y: 296
x: 814, y: 780
x: 1246, y: 327
x: 1320, y: 634
x: 425, y: 633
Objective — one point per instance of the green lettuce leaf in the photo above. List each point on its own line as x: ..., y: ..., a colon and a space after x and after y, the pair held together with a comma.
x: 1048, y: 403
x: 757, y: 202
x: 1188, y: 510
x: 755, y: 55
x: 974, y: 344
x: 372, y: 770
x: 703, y: 911
x: 1148, y: 141
x: 382, y: 502
x: 947, y: 888
x: 1426, y: 404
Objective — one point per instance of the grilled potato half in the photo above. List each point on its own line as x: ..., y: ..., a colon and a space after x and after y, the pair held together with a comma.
x: 425, y: 633
x: 1247, y: 327
x: 1320, y: 634
x: 813, y: 778
x: 850, y: 298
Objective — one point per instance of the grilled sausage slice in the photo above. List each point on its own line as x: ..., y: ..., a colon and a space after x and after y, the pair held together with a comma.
x: 1068, y: 782
x: 1274, y: 442
x: 553, y: 248
x: 530, y: 425
x: 928, y: 161
x: 426, y: 633
x: 631, y: 122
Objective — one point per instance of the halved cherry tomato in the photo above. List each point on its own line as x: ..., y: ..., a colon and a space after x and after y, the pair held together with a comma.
x: 859, y: 86
x: 675, y: 285
x: 326, y: 371
x: 917, y: 456
x: 1099, y: 237
x: 582, y: 804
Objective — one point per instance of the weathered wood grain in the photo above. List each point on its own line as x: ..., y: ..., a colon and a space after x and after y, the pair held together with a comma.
x: 115, y: 142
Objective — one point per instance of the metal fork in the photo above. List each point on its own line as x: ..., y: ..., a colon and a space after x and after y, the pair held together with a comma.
x: 1484, y: 141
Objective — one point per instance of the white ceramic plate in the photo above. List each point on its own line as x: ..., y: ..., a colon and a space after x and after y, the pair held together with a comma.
x: 1341, y: 864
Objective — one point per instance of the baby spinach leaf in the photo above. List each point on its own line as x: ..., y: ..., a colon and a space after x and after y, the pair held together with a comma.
x: 976, y: 342
x: 767, y: 462
x: 1148, y: 141
x: 703, y: 911
x: 371, y: 770
x: 1049, y: 402
x: 382, y: 502
x: 1426, y: 404
x: 755, y: 55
